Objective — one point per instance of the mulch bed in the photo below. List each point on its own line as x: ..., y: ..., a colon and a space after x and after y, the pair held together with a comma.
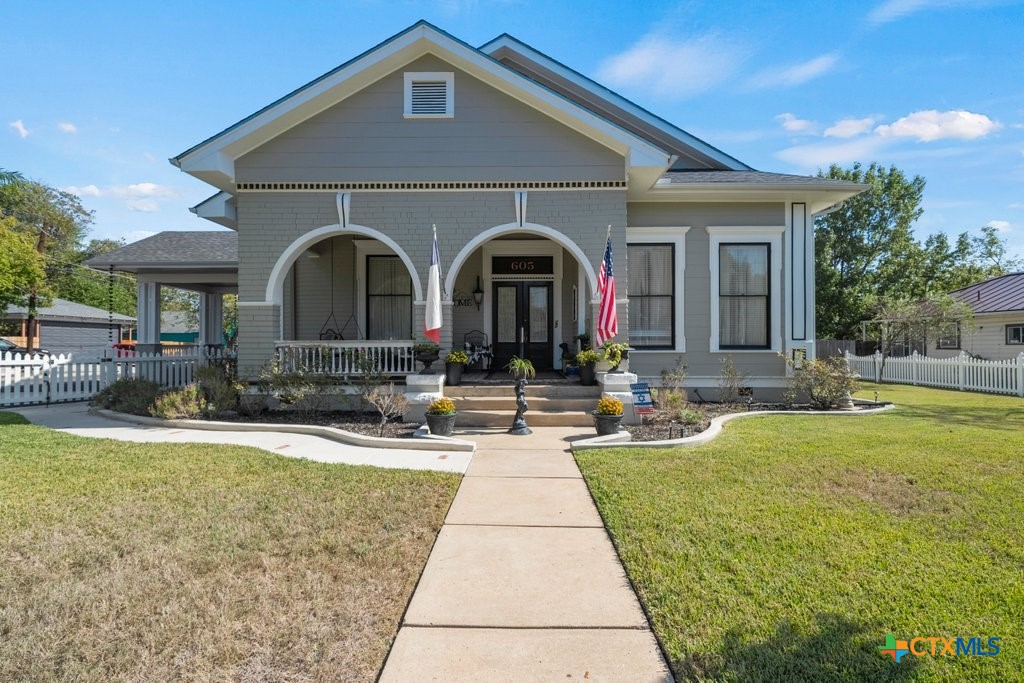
x: 660, y: 425
x: 367, y: 424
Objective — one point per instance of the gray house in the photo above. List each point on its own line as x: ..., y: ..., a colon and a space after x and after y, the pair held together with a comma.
x: 68, y: 327
x: 522, y: 164
x: 997, y: 329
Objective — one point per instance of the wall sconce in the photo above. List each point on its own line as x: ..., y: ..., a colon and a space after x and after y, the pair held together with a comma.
x: 478, y: 294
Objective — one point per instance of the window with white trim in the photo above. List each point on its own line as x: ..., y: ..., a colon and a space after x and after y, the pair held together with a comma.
x: 1015, y: 334
x: 651, y: 271
x: 429, y: 95
x: 388, y: 298
x: 744, y: 296
x: 948, y: 336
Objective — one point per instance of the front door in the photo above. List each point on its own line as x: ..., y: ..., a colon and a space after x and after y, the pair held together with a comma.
x: 523, y: 323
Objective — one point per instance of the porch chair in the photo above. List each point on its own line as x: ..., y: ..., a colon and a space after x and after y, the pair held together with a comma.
x: 478, y: 348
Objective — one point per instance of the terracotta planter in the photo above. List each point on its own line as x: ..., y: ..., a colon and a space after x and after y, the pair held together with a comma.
x: 606, y: 424
x: 588, y: 375
x: 441, y: 425
x: 453, y: 374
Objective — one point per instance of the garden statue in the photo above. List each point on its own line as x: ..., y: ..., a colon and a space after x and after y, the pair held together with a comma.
x: 519, y: 422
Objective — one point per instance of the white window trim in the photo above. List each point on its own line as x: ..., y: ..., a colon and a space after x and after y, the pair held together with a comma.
x: 449, y: 105
x: 772, y: 235
x: 675, y: 236
x: 363, y: 249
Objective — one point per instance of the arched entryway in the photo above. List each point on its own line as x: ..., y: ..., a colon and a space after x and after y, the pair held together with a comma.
x: 534, y: 285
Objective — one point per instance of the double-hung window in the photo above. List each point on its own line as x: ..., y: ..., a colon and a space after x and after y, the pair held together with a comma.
x: 388, y: 298
x: 744, y: 296
x: 1015, y: 334
x: 651, y: 295
x: 949, y: 336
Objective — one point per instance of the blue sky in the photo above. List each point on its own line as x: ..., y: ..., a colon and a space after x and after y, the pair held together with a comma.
x: 96, y: 96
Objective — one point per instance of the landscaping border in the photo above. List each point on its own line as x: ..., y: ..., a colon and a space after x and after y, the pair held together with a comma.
x: 420, y: 442
x: 623, y: 439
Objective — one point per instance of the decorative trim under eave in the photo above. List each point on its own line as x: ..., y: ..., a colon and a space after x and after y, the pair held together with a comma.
x: 434, y: 186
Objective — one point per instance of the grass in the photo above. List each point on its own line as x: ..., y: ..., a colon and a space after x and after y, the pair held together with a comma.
x: 788, y: 548
x: 123, y: 561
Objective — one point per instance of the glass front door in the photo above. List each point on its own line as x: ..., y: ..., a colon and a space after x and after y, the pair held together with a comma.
x: 523, y: 323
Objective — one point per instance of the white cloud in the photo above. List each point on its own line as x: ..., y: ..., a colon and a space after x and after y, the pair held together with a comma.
x: 931, y: 125
x: 673, y: 69
x: 1000, y: 226
x: 848, y: 128
x: 84, y: 191
x: 795, y: 74
x: 144, y: 205
x: 20, y: 128
x: 798, y: 126
x: 140, y: 190
x: 66, y: 127
x: 821, y: 154
x: 891, y: 10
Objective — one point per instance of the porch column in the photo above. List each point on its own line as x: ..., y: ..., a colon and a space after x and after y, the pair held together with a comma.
x: 211, y: 320
x: 148, y: 303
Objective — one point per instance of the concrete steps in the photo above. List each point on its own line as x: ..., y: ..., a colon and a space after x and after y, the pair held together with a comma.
x: 554, y: 405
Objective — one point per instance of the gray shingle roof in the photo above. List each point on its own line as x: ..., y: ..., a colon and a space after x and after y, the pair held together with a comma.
x: 1000, y: 294
x: 62, y: 309
x: 762, y: 178
x: 201, y: 248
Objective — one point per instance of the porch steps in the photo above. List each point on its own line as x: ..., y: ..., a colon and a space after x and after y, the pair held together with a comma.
x: 556, y: 405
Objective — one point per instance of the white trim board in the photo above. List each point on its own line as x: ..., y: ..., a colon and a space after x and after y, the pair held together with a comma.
x: 676, y: 236
x: 719, y: 235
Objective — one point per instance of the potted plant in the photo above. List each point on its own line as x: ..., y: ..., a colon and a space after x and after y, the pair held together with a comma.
x: 608, y: 415
x: 426, y: 353
x: 441, y: 416
x: 454, y: 364
x: 615, y: 353
x: 521, y: 368
x: 583, y: 340
x: 587, y: 360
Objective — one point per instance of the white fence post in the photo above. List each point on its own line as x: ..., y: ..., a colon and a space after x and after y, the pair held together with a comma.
x: 961, y: 370
x: 1020, y: 374
x: 914, y: 363
x: 878, y: 366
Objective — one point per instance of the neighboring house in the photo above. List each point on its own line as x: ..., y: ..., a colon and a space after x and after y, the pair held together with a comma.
x: 522, y: 164
x: 997, y: 330
x: 68, y: 327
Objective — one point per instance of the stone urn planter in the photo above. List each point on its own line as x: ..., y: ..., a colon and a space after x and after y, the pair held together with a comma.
x: 441, y: 416
x: 426, y: 354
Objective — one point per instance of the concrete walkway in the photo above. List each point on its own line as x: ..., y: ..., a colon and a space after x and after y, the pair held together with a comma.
x: 523, y: 583
x: 74, y: 418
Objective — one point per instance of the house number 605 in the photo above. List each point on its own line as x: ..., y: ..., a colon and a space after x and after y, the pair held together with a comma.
x: 522, y: 265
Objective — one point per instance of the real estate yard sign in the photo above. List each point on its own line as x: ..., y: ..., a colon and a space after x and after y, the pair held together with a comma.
x: 642, y: 404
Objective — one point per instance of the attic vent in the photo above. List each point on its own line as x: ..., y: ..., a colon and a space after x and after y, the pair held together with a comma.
x: 429, y: 95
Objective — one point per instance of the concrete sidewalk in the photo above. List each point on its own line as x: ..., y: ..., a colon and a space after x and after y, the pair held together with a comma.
x: 74, y: 418
x: 523, y: 583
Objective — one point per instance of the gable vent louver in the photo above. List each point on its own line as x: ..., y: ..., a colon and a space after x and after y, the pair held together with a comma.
x: 429, y: 98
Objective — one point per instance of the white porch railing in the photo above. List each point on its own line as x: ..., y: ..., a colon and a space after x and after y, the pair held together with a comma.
x: 345, y: 357
x: 960, y: 372
x: 26, y: 380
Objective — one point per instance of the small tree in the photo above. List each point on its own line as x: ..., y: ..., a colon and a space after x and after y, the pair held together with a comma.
x: 824, y: 381
x: 388, y: 403
x: 732, y: 382
x: 897, y: 319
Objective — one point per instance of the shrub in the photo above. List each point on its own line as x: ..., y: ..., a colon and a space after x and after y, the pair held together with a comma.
x: 441, y: 406
x: 609, y: 405
x: 824, y: 381
x: 221, y: 393
x: 521, y: 368
x: 613, y: 352
x: 389, y: 403
x: 303, y: 390
x: 133, y: 396
x: 185, y: 403
x: 732, y: 382
x: 457, y: 356
x: 587, y: 357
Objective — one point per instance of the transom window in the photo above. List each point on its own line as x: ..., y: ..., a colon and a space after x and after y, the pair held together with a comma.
x: 388, y: 298
x: 744, y: 296
x: 651, y: 269
x: 429, y: 95
x: 1015, y: 334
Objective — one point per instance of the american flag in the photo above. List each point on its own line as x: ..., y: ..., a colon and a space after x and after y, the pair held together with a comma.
x: 607, y: 316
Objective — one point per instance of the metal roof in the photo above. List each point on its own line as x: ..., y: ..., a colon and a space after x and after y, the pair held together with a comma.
x: 203, y: 249
x: 998, y: 295
x: 62, y: 309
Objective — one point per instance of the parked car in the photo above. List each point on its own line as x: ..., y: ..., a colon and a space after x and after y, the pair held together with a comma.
x: 7, y: 346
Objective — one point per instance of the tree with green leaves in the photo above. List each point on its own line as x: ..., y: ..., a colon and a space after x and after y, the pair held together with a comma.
x: 21, y: 266
x: 9, y: 177
x: 895, y: 320
x: 77, y: 282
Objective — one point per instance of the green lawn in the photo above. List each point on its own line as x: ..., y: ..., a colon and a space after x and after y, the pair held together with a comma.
x: 788, y: 548
x: 155, y: 562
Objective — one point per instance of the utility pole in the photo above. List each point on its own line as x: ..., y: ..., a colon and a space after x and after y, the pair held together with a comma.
x: 32, y: 322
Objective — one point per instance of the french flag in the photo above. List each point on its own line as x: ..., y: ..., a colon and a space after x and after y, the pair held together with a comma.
x: 432, y: 320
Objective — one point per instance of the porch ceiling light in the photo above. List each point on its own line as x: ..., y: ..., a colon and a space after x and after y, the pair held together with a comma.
x: 478, y: 294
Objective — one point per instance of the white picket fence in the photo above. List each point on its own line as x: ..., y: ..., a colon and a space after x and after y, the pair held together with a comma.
x: 960, y: 372
x: 26, y: 380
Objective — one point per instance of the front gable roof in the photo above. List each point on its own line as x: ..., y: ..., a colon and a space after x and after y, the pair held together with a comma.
x: 610, y: 104
x: 213, y: 159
